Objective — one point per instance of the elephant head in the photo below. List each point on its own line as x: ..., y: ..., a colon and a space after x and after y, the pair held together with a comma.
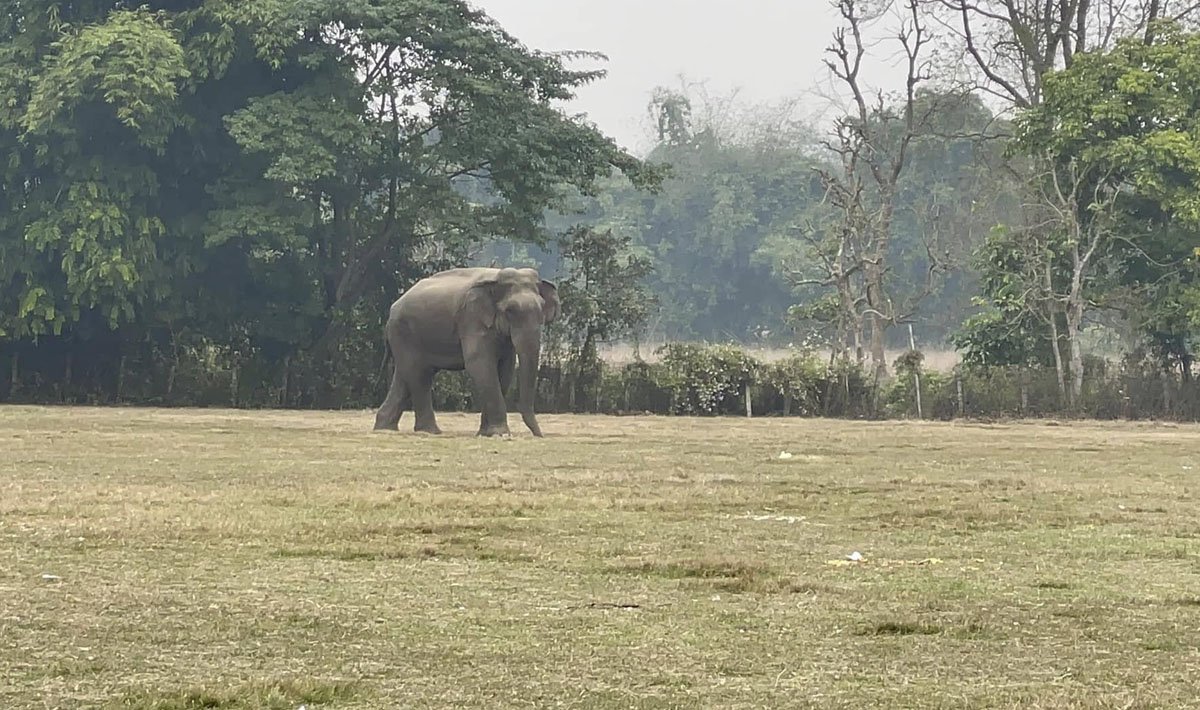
x: 521, y: 303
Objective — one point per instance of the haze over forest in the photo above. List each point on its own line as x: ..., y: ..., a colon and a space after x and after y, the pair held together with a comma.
x: 767, y: 51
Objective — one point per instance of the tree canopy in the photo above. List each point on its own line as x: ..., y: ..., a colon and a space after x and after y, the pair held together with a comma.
x: 258, y: 174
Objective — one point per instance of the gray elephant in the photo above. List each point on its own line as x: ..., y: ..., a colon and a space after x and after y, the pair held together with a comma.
x: 478, y: 319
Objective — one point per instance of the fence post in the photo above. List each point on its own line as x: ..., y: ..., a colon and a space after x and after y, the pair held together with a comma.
x: 962, y: 406
x: 746, y: 393
x: 233, y: 386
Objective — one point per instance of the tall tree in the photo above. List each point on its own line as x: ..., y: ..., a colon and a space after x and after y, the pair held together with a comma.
x: 871, y: 146
x: 1121, y: 128
x: 253, y: 174
x: 1010, y: 46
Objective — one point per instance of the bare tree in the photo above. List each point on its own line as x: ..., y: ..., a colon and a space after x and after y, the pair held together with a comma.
x: 1011, y: 45
x: 1063, y: 248
x: 871, y: 145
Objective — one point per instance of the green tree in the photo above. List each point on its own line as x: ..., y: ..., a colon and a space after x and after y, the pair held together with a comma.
x: 1118, y: 130
x: 604, y: 298
x: 263, y: 178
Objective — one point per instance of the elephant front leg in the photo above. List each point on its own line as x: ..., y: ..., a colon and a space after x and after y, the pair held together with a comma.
x: 505, y: 370
x: 493, y: 420
x: 422, y: 401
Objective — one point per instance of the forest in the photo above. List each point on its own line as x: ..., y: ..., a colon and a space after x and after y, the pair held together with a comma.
x: 213, y: 202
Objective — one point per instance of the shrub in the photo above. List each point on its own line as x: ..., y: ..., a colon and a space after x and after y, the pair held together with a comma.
x: 705, y: 379
x: 793, y: 385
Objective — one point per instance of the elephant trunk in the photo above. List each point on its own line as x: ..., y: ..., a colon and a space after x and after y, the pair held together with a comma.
x: 528, y: 344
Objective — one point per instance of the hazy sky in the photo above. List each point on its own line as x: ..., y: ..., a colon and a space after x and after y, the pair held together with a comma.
x: 770, y: 49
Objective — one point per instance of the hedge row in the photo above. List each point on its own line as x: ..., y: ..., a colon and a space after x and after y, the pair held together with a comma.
x: 684, y: 379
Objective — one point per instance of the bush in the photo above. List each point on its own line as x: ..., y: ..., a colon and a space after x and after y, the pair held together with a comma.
x: 793, y: 386
x: 706, y: 379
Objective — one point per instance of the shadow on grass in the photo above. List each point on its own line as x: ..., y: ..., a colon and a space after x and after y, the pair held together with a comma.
x: 964, y: 630
x: 450, y: 549
x: 723, y: 574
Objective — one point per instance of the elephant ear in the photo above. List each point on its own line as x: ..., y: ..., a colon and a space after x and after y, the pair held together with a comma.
x: 481, y: 302
x: 549, y: 294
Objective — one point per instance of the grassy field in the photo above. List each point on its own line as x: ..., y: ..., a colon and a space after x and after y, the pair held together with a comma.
x: 217, y: 559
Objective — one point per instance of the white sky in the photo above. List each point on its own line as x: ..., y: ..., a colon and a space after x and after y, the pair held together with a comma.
x: 771, y: 50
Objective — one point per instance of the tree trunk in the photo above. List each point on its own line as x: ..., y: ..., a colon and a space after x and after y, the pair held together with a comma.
x: 1073, y: 336
x: 287, y: 381
x: 67, y: 375
x: 878, y: 352
x: 1074, y: 315
x: 1052, y: 311
x: 14, y: 383
x: 171, y: 376
x: 120, y: 378
x: 912, y: 344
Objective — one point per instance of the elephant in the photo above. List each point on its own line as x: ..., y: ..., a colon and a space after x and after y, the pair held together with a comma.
x: 479, y: 319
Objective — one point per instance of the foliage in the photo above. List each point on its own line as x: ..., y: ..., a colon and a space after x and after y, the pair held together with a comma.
x: 1127, y: 122
x: 603, y: 292
x: 734, y: 182
x: 706, y: 379
x: 800, y: 379
x: 603, y: 297
x: 264, y: 178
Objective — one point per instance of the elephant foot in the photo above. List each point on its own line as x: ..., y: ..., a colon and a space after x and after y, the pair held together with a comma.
x: 500, y: 431
x: 432, y: 429
x: 385, y: 421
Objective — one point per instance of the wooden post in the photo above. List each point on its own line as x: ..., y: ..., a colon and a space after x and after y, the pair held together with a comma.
x: 912, y: 344
x: 120, y: 377
x: 14, y: 374
x: 746, y: 394
x: 233, y: 386
x: 962, y: 405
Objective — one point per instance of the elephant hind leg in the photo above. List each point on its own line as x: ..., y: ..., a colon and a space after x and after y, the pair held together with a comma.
x: 398, y: 400
x: 422, y: 403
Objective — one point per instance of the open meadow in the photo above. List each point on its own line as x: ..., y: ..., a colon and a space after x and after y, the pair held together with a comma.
x: 171, y: 559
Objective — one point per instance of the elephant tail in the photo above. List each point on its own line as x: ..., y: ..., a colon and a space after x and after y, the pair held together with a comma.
x: 387, y: 353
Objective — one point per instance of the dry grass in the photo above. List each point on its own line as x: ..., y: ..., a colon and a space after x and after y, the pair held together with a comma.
x: 271, y: 560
